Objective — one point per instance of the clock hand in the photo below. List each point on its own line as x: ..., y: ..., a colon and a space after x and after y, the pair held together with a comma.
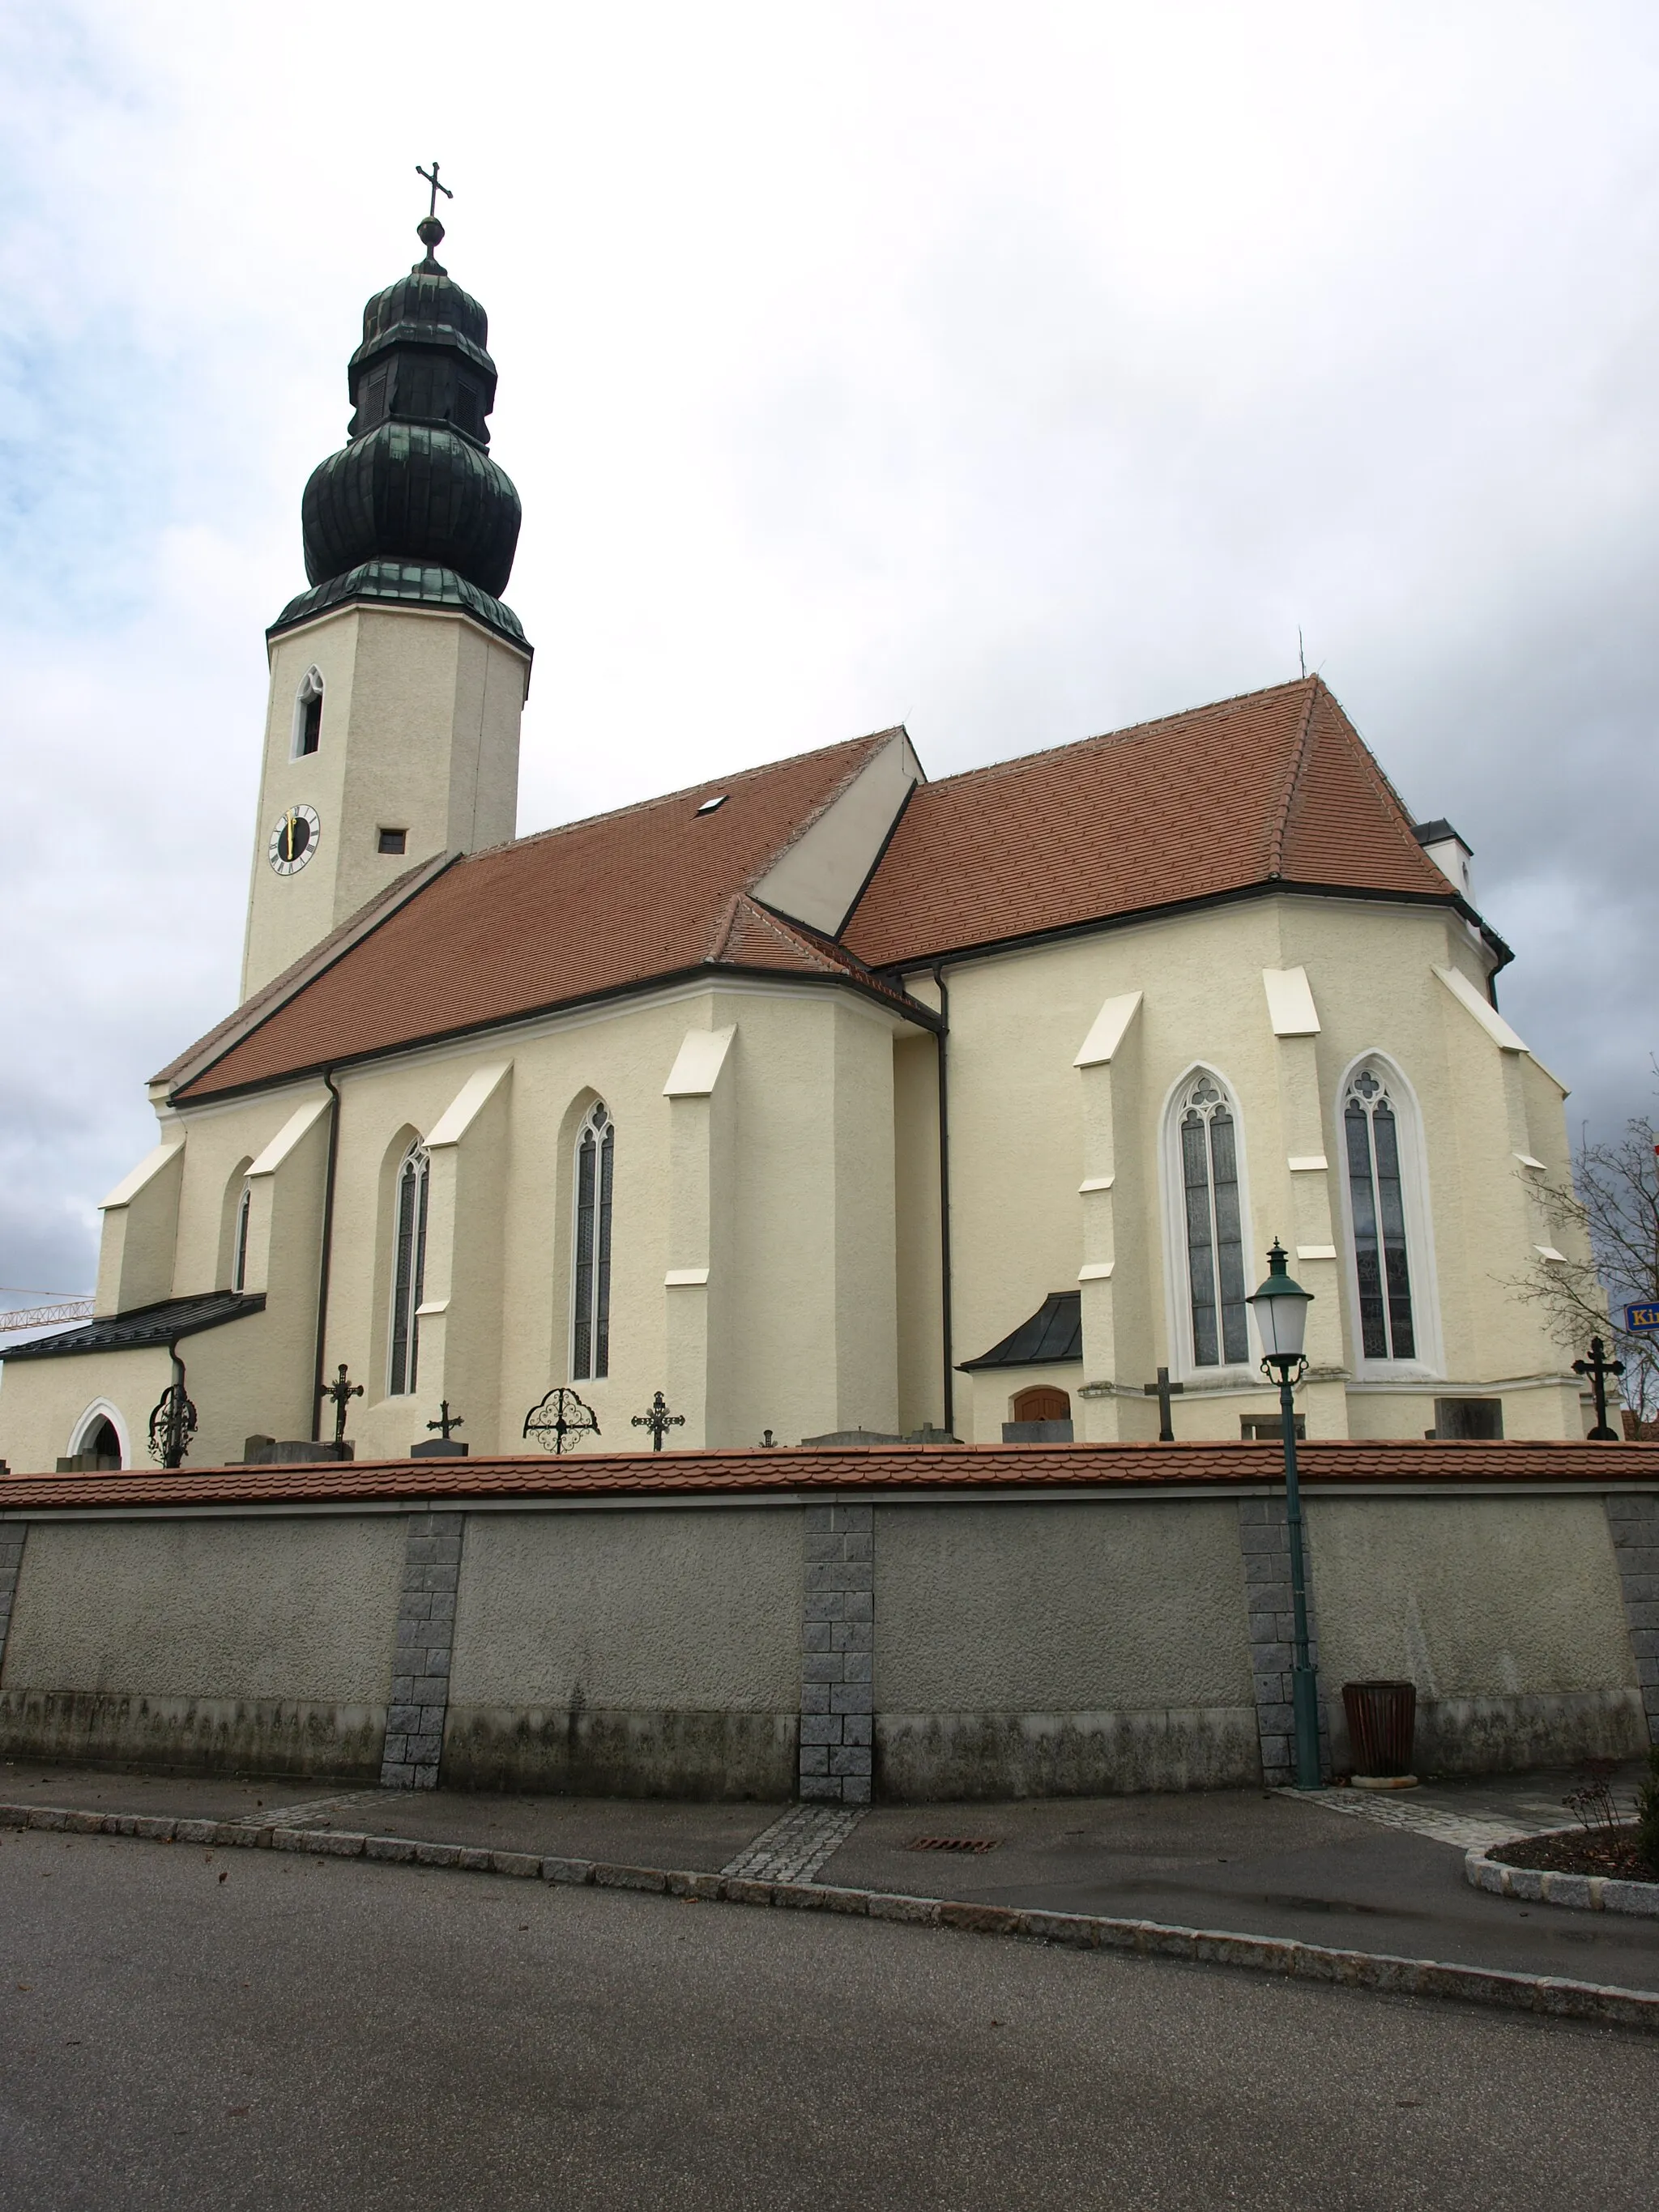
x: 288, y: 854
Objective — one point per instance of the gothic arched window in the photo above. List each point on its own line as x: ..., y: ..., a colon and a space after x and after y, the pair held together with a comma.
x: 1370, y: 1135
x: 309, y: 714
x: 238, y: 1247
x: 1207, y: 1135
x: 590, y: 1329
x: 408, y: 1271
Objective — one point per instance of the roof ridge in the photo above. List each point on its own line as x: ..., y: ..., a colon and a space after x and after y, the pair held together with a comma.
x: 1293, y: 777
x: 1114, y: 737
x: 687, y: 790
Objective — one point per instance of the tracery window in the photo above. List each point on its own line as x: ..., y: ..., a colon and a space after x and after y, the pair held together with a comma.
x: 238, y: 1247
x: 1371, y: 1130
x: 309, y: 714
x: 1208, y: 1137
x: 590, y: 1332
x: 408, y: 1271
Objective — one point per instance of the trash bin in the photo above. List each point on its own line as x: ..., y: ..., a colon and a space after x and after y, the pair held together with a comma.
x: 1382, y: 1724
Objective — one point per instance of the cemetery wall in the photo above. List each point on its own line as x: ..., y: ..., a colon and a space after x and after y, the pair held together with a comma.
x: 643, y: 1653
x: 204, y: 1641
x: 832, y: 1640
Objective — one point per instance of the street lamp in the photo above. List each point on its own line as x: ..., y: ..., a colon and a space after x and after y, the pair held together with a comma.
x: 1280, y: 1307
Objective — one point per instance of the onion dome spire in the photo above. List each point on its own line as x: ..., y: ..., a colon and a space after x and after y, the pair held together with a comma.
x: 412, y: 509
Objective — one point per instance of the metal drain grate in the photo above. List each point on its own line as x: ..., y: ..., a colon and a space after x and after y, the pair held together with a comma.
x: 952, y: 1843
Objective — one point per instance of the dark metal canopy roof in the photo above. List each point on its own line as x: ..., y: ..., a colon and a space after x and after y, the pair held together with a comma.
x: 144, y: 1327
x: 1054, y: 1332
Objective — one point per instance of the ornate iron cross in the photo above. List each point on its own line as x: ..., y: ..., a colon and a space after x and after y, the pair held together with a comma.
x: 430, y: 177
x: 342, y: 1392
x: 172, y: 1423
x: 658, y: 1421
x: 1598, y: 1367
x: 1164, y: 1390
x: 445, y: 1421
x: 559, y: 1421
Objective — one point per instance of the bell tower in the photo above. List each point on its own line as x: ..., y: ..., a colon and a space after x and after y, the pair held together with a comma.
x: 398, y: 680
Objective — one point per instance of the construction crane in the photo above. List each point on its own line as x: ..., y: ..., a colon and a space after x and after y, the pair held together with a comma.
x: 43, y: 1316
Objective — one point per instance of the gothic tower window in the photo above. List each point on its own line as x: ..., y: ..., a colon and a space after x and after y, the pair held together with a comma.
x: 1371, y: 1142
x: 1206, y: 1138
x: 589, y: 1332
x: 308, y: 715
x: 408, y: 1271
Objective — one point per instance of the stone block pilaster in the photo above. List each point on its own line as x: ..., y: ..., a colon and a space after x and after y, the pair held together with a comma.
x: 12, y: 1536
x: 425, y: 1637
x: 1633, y: 1523
x: 838, y: 1655
x: 1264, y: 1539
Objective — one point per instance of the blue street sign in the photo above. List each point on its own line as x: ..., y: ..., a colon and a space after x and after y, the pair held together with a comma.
x: 1641, y: 1319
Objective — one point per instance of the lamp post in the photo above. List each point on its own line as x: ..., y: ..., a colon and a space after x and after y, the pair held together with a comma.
x: 1280, y: 1307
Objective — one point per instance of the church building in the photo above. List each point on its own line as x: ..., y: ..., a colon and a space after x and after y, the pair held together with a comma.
x: 821, y: 1098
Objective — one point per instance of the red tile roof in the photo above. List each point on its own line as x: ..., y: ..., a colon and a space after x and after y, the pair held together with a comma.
x: 1275, y: 785
x: 572, y: 914
x: 896, y: 1468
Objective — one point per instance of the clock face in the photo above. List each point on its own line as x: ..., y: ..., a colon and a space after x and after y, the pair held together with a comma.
x: 294, y: 840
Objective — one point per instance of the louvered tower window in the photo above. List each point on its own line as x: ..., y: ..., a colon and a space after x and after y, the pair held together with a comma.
x: 590, y: 1335
x: 1371, y: 1130
x: 1215, y: 1246
x: 408, y: 1272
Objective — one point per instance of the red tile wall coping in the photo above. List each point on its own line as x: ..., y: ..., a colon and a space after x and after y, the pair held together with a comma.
x: 782, y: 1471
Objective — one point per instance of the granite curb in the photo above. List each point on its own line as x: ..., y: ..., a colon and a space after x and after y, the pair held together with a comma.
x: 1578, y: 1893
x: 1551, y: 1996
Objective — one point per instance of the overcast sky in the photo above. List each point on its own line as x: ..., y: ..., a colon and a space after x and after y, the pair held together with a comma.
x: 1014, y: 371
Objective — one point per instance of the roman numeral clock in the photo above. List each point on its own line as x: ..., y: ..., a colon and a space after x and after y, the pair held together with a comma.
x: 294, y: 840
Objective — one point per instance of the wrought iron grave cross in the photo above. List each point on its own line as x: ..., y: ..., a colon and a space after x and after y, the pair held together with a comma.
x: 445, y: 1421
x: 430, y: 176
x: 560, y: 1420
x: 658, y: 1421
x: 1598, y: 1367
x: 1164, y: 1390
x: 342, y: 1392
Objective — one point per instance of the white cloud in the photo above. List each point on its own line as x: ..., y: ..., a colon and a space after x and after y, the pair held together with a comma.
x: 1018, y: 374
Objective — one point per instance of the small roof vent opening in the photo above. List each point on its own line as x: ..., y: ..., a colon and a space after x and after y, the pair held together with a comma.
x: 709, y: 804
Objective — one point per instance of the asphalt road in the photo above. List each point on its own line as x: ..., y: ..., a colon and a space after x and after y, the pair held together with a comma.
x: 184, y: 2028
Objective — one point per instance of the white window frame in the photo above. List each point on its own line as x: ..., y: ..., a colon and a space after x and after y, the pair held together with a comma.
x: 1178, y: 1303
x: 311, y: 687
x: 404, y: 1384
x: 586, y: 1125
x: 1427, y: 1363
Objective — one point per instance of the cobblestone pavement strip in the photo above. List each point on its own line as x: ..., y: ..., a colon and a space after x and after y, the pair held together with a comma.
x: 795, y: 1847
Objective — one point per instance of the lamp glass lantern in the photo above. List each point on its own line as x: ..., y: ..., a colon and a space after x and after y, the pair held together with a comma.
x: 1280, y: 1307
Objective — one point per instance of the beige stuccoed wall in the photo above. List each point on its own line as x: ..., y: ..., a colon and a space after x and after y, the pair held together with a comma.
x: 648, y: 1653
x: 1061, y: 1649
x: 1018, y: 1153
x: 421, y: 715
x: 1505, y: 1612
x: 42, y: 1402
x: 804, y: 1253
x: 208, y: 1642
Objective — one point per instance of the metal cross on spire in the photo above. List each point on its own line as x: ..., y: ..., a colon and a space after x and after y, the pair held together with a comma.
x: 430, y: 176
